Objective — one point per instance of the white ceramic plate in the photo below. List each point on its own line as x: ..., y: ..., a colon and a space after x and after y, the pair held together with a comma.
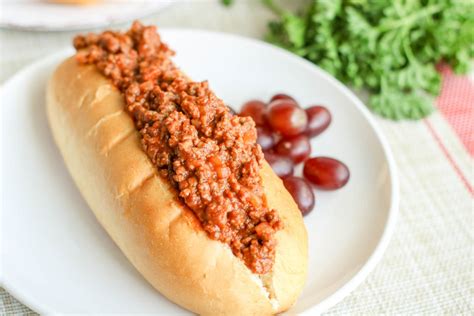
x: 44, y: 15
x: 57, y: 259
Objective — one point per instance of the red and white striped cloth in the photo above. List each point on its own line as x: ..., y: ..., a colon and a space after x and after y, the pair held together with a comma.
x: 456, y: 105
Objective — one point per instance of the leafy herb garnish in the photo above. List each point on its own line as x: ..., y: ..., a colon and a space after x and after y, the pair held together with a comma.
x: 227, y: 2
x: 389, y: 47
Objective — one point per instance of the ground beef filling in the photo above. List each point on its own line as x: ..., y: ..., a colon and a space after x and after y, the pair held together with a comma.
x: 209, y: 155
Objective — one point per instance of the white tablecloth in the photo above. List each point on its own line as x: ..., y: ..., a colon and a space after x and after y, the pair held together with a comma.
x: 427, y: 267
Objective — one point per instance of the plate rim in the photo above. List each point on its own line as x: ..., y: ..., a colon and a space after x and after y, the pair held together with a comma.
x: 7, y: 24
x: 393, y: 210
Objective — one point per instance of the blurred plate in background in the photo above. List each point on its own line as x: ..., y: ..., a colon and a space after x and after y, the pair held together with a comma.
x: 44, y: 15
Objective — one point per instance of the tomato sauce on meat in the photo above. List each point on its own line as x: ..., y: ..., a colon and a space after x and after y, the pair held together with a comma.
x: 209, y: 155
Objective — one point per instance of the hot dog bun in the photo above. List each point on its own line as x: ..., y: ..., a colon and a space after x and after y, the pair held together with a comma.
x: 143, y: 215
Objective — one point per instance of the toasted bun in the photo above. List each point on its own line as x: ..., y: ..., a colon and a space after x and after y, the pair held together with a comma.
x: 141, y: 212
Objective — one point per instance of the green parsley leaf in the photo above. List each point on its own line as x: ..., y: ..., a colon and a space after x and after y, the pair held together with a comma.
x: 389, y: 47
x: 227, y: 2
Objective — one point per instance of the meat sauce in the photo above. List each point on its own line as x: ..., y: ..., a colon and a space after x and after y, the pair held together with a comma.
x: 208, y: 154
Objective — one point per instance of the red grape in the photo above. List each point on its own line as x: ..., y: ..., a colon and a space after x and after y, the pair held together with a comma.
x: 319, y: 119
x: 256, y: 110
x: 297, y: 148
x: 281, y: 96
x: 301, y: 192
x: 326, y: 173
x: 287, y: 118
x: 265, y: 137
x: 282, y: 166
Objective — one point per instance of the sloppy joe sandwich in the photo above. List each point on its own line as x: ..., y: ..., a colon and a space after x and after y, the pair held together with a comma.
x: 176, y: 179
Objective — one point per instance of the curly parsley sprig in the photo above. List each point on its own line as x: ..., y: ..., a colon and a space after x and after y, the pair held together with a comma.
x: 389, y: 47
